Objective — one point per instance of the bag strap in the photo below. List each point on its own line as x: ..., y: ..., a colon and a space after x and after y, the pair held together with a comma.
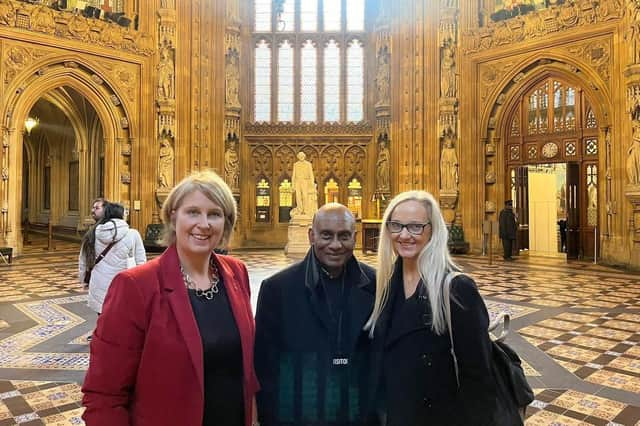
x: 447, y: 314
x: 503, y: 317
x: 104, y: 253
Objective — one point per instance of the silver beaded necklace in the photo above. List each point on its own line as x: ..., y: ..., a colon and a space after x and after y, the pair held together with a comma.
x: 211, y: 291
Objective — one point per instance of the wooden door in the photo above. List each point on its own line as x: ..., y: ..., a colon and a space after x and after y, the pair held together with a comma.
x: 573, y: 211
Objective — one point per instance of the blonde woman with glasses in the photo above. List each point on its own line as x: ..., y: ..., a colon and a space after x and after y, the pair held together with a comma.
x: 414, y: 380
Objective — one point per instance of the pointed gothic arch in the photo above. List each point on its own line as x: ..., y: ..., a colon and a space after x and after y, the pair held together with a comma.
x: 31, y: 84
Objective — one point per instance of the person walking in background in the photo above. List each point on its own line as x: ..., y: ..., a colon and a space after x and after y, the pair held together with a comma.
x: 508, y: 226
x: 97, y: 209
x: 311, y: 351
x: 413, y: 379
x: 106, y: 249
x: 174, y: 343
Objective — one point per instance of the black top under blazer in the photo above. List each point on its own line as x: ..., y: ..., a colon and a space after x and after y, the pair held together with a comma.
x: 413, y: 378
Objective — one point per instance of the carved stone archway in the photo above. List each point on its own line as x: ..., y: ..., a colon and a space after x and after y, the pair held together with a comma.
x: 22, y: 92
x: 495, y: 123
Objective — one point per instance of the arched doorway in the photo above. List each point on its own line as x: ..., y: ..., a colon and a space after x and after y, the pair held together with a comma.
x: 43, y: 78
x: 68, y: 133
x: 552, y: 143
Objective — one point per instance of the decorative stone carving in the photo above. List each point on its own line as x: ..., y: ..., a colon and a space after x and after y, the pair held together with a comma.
x: 489, y: 206
x: 597, y: 54
x: 448, y: 72
x: 538, y: 24
x: 382, y: 165
x: 491, y: 75
x: 632, y: 35
x: 65, y: 24
x: 165, y: 163
x: 232, y: 79
x: 383, y: 76
x: 16, y: 58
x: 448, y: 164
x: 633, y: 156
x: 232, y: 166
x: 42, y: 20
x: 360, y: 128
x: 166, y: 74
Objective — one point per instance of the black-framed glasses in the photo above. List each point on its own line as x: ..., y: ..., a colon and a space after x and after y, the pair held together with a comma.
x: 413, y: 228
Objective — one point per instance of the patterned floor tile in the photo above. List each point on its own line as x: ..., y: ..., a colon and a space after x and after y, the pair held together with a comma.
x: 587, y: 319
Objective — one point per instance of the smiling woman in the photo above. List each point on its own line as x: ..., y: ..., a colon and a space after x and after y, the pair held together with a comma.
x: 190, y: 306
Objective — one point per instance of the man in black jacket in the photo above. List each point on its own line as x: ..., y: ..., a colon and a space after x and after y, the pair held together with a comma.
x: 508, y: 228
x: 311, y: 353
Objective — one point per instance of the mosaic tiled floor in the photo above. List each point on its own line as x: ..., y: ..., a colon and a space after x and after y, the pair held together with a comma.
x: 578, y: 332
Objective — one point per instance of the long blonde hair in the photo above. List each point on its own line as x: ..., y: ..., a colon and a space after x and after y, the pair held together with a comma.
x: 434, y: 262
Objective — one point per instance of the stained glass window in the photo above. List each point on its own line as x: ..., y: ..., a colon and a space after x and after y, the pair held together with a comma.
x: 263, y: 82
x: 308, y: 83
x: 309, y: 15
x: 286, y: 19
x: 332, y: 15
x: 297, y: 77
x: 332, y: 81
x: 285, y: 82
x: 355, y: 15
x: 355, y: 80
x: 262, y: 10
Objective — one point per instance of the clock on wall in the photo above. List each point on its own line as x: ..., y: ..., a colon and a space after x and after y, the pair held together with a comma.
x: 549, y: 150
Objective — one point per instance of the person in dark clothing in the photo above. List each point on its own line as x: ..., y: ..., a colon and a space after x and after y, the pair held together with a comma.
x: 413, y: 378
x: 562, y: 224
x: 311, y: 353
x: 508, y: 227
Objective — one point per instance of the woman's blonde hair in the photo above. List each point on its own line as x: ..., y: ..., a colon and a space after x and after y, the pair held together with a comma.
x: 214, y: 188
x: 434, y: 262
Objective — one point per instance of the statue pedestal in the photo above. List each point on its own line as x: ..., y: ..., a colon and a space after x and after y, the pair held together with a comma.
x: 298, y: 237
x: 448, y: 205
x: 632, y: 192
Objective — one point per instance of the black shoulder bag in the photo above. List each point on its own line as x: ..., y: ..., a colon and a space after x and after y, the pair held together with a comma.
x: 514, y: 393
x: 87, y: 274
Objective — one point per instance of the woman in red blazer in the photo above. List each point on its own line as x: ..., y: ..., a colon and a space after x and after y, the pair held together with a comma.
x: 174, y: 343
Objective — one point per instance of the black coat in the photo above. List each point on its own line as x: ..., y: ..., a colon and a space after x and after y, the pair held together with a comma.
x: 508, y: 225
x: 295, y: 348
x: 413, y: 378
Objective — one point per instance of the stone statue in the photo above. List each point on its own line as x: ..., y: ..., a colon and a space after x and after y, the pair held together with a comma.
x: 303, y: 184
x: 633, y: 158
x: 448, y: 74
x: 232, y: 166
x: 382, y: 166
x: 383, y: 77
x: 232, y: 74
x: 165, y: 164
x: 448, y: 165
x: 633, y: 33
x: 166, y: 73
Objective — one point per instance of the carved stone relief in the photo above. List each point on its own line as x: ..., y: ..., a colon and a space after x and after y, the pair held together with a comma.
x: 166, y: 163
x: 232, y: 165
x: 449, y: 164
x: 492, y: 74
x: 232, y: 78
x: 541, y: 23
x: 597, y: 54
x: 17, y: 58
x: 383, y: 76
x: 43, y: 19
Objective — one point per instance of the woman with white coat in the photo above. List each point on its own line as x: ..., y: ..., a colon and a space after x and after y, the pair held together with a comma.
x: 126, y: 250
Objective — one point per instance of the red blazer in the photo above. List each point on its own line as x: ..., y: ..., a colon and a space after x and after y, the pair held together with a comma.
x: 146, y: 366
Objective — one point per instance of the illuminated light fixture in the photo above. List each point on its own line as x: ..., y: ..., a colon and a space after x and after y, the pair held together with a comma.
x: 30, y: 123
